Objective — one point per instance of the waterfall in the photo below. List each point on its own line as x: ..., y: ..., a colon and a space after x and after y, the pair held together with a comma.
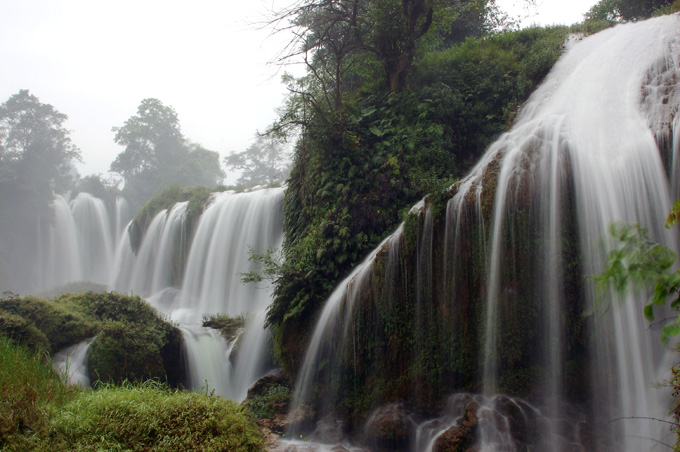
x: 499, y: 292
x: 80, y: 243
x: 71, y: 363
x: 62, y: 246
x: 587, y: 123
x: 95, y: 236
x: 183, y: 275
x: 331, y: 334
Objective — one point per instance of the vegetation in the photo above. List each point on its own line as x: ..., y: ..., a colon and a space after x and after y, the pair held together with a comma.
x: 151, y: 417
x: 27, y: 386
x: 265, y: 162
x: 228, y: 326
x: 359, y: 167
x: 157, y: 155
x: 39, y: 413
x: 643, y: 263
x: 630, y: 10
x: 36, y: 160
x: 133, y: 342
x: 274, y: 400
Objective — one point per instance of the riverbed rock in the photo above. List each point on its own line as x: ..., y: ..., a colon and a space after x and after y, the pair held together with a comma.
x: 460, y: 438
x: 390, y: 427
x: 264, y: 384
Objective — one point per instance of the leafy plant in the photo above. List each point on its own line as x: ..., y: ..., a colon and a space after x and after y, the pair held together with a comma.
x: 643, y: 263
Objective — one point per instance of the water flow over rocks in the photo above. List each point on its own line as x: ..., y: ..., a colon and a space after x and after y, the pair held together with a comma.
x: 184, y: 277
x: 495, y: 293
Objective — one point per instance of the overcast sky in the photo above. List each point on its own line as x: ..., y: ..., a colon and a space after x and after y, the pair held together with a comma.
x: 95, y: 61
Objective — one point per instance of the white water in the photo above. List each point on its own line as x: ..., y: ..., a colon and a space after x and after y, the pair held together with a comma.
x: 330, y: 332
x: 208, y: 360
x: 590, y: 110
x: 594, y: 124
x: 71, y: 364
x: 82, y: 245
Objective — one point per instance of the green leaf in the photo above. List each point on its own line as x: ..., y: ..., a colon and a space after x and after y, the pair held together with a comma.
x: 377, y: 132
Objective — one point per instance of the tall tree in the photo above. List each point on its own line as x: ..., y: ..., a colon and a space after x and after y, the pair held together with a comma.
x: 157, y: 155
x: 264, y: 162
x: 333, y: 35
x: 36, y: 158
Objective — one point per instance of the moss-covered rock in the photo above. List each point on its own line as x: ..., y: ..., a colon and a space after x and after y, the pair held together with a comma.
x: 230, y: 327
x: 133, y: 342
x: 22, y: 331
x: 60, y: 323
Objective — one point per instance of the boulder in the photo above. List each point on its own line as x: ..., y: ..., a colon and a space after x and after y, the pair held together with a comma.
x: 390, y: 427
x: 461, y: 437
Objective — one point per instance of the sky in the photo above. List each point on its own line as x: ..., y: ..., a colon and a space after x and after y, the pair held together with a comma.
x: 209, y: 59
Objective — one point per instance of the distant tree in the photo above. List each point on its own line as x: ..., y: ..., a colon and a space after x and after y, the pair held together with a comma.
x: 625, y: 10
x: 99, y: 187
x: 35, y: 148
x: 201, y: 167
x: 36, y: 160
x: 263, y: 163
x: 157, y: 155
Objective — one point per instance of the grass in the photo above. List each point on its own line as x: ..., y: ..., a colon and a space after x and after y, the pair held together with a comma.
x: 148, y: 416
x: 39, y: 413
x: 28, y: 386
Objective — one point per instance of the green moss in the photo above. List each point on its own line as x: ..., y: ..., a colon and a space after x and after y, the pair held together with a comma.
x: 22, y: 331
x: 124, y: 351
x: 61, y: 325
x: 228, y: 326
x: 133, y: 342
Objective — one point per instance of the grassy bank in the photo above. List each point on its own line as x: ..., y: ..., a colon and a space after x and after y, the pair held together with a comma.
x: 39, y: 413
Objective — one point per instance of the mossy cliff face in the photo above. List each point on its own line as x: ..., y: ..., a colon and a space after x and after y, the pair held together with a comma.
x: 418, y: 329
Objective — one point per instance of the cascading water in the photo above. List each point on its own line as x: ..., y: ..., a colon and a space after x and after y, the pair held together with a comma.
x: 82, y: 240
x: 522, y: 233
x: 71, y: 363
x: 206, y: 281
x: 228, y: 229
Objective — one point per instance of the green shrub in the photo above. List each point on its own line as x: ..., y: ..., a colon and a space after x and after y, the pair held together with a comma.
x: 22, y: 331
x: 151, y: 417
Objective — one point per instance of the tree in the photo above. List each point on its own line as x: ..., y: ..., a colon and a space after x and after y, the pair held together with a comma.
x: 264, y: 162
x: 157, y: 155
x: 36, y: 160
x: 35, y: 148
x: 625, y: 10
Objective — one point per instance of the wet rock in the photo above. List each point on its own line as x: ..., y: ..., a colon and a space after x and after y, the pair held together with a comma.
x: 329, y: 430
x: 264, y: 384
x: 389, y: 427
x: 460, y: 438
x: 268, y: 400
x: 302, y: 418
